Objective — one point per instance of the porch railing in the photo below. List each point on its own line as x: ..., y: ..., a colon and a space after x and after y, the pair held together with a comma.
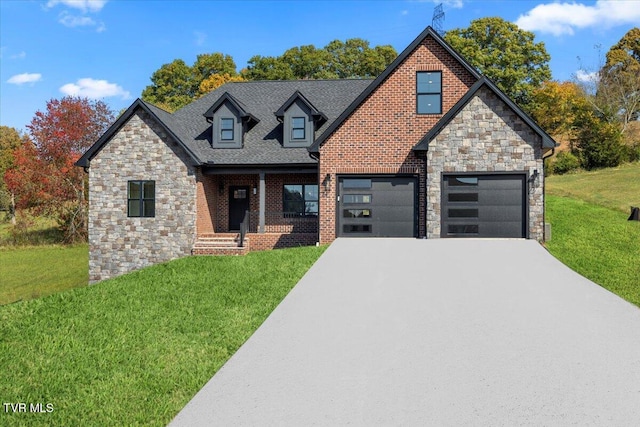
x: 244, y: 225
x: 283, y: 222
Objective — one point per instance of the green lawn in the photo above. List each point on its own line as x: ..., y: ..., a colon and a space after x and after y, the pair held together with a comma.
x: 134, y: 350
x: 597, y: 242
x: 35, y: 271
x: 614, y: 188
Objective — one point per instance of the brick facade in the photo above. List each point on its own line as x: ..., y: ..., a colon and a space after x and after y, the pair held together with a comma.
x: 140, y: 150
x: 378, y: 137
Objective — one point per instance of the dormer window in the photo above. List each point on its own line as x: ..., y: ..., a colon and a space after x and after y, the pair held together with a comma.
x: 298, y: 128
x: 300, y: 119
x: 229, y: 122
x: 226, y: 129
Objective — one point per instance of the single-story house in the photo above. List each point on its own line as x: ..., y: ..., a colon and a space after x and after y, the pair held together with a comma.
x: 428, y: 149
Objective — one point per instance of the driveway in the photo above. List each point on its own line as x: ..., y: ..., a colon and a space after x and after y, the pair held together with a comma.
x: 434, y: 333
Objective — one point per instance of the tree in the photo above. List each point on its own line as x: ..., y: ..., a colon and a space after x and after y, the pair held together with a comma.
x: 598, y: 142
x: 556, y: 105
x: 176, y: 84
x: 504, y: 53
x: 171, y: 87
x: 216, y: 80
x: 10, y: 140
x: 353, y: 58
x: 618, y: 92
x: 44, y: 176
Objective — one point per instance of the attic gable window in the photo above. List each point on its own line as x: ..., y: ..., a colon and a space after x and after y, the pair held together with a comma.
x: 226, y: 129
x: 429, y: 92
x: 298, y: 128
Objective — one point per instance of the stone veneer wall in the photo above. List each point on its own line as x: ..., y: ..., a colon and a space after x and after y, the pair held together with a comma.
x: 486, y: 136
x: 140, y: 150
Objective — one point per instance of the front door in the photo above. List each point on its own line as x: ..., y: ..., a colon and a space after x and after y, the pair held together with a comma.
x: 238, y: 204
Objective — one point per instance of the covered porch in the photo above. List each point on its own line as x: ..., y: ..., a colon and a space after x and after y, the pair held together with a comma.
x: 250, y: 209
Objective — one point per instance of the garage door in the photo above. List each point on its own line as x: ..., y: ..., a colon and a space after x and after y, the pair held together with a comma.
x: 377, y: 207
x: 483, y: 206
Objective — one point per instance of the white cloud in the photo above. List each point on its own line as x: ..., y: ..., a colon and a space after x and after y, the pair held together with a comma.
x: 565, y: 18
x: 94, y: 89
x: 83, y: 5
x: 456, y: 4
x: 200, y: 38
x: 20, y: 79
x: 76, y: 21
x: 20, y: 55
x: 586, y: 77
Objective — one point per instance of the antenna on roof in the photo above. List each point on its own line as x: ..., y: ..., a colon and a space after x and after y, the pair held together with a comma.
x: 438, y: 19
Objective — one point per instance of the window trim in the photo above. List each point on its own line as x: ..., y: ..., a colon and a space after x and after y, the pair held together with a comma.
x: 303, y: 128
x: 304, y: 201
x: 418, y: 93
x: 142, y: 199
x: 223, y: 129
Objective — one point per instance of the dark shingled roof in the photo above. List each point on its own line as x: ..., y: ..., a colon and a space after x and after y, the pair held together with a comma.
x: 263, y: 142
x: 261, y: 99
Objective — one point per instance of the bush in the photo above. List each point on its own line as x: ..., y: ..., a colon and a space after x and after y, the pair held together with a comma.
x: 599, y: 143
x: 632, y: 152
x: 565, y: 162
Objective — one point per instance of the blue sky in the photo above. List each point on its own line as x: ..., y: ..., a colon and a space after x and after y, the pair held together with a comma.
x: 108, y: 50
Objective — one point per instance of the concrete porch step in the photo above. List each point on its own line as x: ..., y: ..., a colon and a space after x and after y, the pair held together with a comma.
x: 211, y: 244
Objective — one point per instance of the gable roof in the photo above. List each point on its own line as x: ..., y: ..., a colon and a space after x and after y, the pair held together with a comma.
x: 428, y: 32
x: 317, y: 115
x: 228, y: 98
x: 423, y: 145
x: 162, y: 117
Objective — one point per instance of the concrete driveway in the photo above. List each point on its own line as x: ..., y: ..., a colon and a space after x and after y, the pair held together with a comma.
x: 434, y: 333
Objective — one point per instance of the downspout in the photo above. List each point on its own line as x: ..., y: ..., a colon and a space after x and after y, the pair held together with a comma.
x: 544, y: 197
x: 317, y: 159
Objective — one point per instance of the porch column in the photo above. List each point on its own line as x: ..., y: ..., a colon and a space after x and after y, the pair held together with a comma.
x: 262, y: 191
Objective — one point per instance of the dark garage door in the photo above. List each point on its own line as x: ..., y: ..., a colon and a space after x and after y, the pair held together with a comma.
x: 377, y: 207
x: 483, y: 206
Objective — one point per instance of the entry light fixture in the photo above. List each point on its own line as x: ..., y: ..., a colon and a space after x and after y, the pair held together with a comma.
x: 326, y: 181
x: 221, y: 187
x: 533, y: 176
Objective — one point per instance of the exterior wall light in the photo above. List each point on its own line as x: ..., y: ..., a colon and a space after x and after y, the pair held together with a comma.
x: 326, y: 181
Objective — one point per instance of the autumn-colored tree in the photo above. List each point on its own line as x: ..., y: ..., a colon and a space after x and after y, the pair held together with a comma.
x: 555, y: 106
x: 10, y: 139
x: 216, y: 80
x: 44, y: 176
x: 506, y: 54
x: 176, y: 84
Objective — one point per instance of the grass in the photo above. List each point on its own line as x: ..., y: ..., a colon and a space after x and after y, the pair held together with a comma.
x: 29, y: 231
x: 597, y: 242
x: 134, y: 350
x: 614, y: 188
x: 32, y: 272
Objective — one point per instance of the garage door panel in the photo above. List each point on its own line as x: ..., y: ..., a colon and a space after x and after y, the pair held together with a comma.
x: 497, y: 211
x: 500, y: 213
x: 389, y: 210
x: 501, y: 197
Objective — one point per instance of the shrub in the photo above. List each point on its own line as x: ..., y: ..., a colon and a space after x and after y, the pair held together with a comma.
x: 598, y: 142
x: 565, y: 162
